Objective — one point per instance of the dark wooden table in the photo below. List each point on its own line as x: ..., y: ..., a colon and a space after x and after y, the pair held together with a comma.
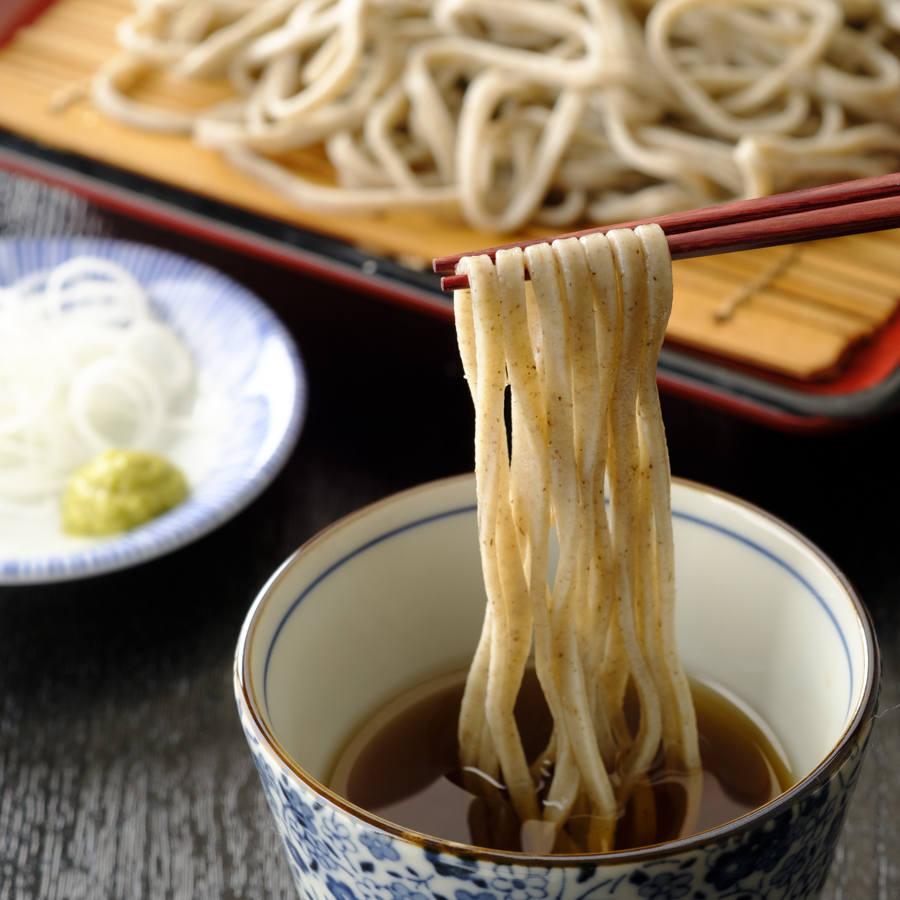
x: 123, y: 769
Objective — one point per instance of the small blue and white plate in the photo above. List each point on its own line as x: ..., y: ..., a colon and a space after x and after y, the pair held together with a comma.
x: 251, y: 390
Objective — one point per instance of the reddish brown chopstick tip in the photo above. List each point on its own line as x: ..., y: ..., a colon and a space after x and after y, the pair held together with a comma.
x: 454, y: 282
x: 446, y: 263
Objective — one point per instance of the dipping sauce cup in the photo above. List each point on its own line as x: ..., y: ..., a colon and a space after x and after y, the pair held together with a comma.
x: 392, y: 596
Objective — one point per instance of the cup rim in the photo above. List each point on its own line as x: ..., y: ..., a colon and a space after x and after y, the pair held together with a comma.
x: 819, y: 776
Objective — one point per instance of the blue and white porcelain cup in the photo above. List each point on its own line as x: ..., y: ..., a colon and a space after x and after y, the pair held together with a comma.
x: 392, y: 596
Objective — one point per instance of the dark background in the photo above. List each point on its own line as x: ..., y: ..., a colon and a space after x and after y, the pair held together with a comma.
x: 123, y: 768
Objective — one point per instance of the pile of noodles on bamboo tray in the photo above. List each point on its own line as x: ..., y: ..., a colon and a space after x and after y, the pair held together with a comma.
x: 520, y: 110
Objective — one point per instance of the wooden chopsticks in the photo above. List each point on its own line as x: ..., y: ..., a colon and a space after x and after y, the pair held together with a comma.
x: 852, y: 207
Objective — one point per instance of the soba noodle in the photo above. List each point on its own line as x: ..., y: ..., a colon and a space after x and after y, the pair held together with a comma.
x: 578, y: 353
x: 529, y: 110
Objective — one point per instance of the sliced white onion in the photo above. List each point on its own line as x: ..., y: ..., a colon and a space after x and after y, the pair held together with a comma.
x: 94, y: 287
x: 159, y: 351
x: 83, y: 367
x: 114, y: 402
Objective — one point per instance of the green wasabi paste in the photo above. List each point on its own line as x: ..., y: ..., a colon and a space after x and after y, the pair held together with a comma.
x: 119, y: 490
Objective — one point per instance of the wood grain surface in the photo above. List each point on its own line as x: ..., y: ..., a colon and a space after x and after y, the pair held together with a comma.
x: 123, y: 769
x: 790, y: 325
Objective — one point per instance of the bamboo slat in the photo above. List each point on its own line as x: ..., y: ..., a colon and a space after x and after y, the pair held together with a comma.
x: 801, y: 322
x: 710, y: 289
x: 851, y: 294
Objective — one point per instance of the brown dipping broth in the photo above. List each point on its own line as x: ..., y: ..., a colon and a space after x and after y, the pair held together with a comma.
x: 403, y: 767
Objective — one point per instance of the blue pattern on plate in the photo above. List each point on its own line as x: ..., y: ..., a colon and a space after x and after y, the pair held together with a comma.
x: 237, y: 341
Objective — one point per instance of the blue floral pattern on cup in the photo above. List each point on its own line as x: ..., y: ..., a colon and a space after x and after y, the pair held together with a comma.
x: 335, y: 856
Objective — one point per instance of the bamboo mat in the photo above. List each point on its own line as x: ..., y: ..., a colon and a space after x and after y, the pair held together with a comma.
x: 796, y: 312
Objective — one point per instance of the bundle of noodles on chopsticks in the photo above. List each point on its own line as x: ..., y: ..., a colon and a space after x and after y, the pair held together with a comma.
x: 513, y: 111
x: 579, y: 354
